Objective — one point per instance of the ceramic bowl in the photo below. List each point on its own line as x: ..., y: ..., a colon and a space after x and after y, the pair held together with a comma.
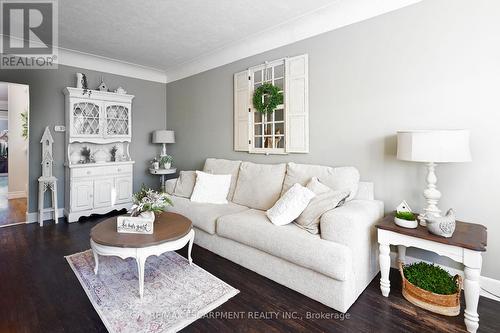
x: 405, y: 223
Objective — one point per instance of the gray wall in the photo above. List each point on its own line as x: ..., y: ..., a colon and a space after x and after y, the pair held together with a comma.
x: 47, y: 109
x: 435, y: 64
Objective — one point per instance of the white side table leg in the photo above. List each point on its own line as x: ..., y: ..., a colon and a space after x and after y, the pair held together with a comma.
x: 141, y: 263
x: 54, y: 201
x: 471, y: 291
x: 401, y: 253
x: 190, y: 247
x: 40, y: 203
x: 385, y: 266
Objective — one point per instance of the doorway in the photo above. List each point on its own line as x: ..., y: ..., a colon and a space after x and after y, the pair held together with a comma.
x: 14, y: 145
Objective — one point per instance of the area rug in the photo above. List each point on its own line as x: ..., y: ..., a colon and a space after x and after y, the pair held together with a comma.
x: 175, y: 293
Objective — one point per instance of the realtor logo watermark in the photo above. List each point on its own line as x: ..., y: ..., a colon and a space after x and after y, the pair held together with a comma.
x: 29, y: 34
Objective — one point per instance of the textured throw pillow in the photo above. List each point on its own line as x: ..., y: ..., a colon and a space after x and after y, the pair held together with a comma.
x: 211, y: 188
x: 290, y: 205
x: 185, y: 184
x: 325, y: 200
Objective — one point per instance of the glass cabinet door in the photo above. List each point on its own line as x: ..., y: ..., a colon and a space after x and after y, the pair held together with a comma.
x: 86, y: 119
x: 117, y: 120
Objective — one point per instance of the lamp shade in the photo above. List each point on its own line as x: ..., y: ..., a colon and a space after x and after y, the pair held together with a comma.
x: 163, y: 136
x: 434, y: 146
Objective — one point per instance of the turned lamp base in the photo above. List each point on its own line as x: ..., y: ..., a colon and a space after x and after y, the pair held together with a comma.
x: 431, y: 195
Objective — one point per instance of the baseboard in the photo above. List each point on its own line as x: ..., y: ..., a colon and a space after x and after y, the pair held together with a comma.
x: 48, y: 214
x: 486, y: 283
x: 16, y: 195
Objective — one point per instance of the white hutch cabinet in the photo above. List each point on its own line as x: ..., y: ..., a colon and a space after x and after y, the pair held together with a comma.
x: 99, y: 170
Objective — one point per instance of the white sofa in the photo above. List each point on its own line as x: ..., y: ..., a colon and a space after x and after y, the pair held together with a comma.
x: 332, y: 268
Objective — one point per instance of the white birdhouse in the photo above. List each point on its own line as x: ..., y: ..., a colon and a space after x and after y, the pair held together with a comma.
x: 403, y: 207
x: 102, y: 85
x: 47, y: 158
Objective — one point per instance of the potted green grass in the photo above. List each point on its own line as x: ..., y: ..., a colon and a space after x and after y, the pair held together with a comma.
x: 432, y: 288
x: 406, y: 220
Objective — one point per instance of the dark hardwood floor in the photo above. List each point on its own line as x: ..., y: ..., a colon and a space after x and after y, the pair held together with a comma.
x: 40, y: 293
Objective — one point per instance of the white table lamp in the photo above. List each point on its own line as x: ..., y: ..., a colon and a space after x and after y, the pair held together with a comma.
x: 431, y: 147
x: 163, y: 137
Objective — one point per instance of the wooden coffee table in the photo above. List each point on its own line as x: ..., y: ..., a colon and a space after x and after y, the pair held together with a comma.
x: 171, y: 232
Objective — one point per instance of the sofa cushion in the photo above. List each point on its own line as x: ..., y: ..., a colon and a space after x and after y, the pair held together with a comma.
x: 218, y: 166
x: 325, y: 200
x: 259, y: 185
x: 203, y: 215
x: 185, y: 184
x: 252, y: 228
x: 170, y: 185
x: 338, y: 179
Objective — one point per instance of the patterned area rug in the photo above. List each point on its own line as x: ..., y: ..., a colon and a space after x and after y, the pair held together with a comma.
x: 175, y: 293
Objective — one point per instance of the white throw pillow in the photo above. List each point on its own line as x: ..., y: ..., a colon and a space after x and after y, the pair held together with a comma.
x: 325, y: 200
x: 290, y: 205
x: 211, y: 188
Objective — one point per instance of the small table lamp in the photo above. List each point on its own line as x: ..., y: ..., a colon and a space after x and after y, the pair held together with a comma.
x: 431, y: 147
x: 163, y: 137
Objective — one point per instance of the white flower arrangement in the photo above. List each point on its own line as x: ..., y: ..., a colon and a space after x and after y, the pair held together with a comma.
x: 149, y: 200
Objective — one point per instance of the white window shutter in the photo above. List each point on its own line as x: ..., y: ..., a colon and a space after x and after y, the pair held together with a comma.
x: 241, y: 114
x: 297, y: 104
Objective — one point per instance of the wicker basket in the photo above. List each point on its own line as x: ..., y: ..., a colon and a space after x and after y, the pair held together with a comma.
x: 448, y: 305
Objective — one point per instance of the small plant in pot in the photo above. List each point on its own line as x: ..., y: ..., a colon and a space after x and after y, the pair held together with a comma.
x: 405, y: 219
x: 147, y: 202
x: 155, y: 164
x: 166, y: 161
x: 432, y: 288
x: 112, y: 152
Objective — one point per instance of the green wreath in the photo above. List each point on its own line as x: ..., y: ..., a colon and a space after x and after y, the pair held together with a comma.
x: 272, y: 98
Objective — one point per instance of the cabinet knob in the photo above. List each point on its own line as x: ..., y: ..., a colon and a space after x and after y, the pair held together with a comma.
x: 88, y: 172
x: 91, y: 195
x: 119, y: 169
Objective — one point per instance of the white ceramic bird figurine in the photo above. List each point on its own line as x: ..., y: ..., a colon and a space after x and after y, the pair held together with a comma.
x: 442, y: 225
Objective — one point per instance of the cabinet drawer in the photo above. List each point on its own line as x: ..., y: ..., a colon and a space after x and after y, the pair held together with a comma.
x: 102, y: 170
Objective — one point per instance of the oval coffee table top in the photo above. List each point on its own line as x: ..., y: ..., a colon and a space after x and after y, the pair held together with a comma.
x: 167, y: 227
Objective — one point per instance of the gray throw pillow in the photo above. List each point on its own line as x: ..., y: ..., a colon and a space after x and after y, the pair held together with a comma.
x: 185, y: 184
x: 325, y: 200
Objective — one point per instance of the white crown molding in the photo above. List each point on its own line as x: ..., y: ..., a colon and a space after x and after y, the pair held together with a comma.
x: 108, y: 65
x: 336, y: 15
x: 99, y: 63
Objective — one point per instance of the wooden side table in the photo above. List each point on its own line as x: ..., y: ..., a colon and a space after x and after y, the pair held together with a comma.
x: 163, y: 173
x: 466, y: 246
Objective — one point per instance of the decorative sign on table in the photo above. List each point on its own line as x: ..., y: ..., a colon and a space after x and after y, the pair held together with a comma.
x: 134, y: 225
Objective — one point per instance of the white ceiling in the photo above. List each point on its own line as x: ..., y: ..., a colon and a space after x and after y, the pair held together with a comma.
x: 175, y: 39
x: 165, y: 34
